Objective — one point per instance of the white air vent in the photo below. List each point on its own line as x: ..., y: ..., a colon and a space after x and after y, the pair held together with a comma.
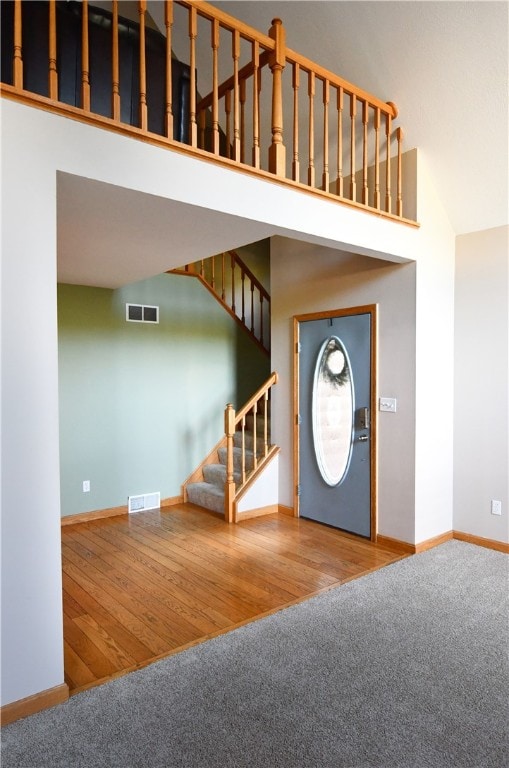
x: 143, y: 502
x: 141, y: 313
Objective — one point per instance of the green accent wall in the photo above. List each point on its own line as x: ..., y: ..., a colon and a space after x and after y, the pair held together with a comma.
x: 142, y: 404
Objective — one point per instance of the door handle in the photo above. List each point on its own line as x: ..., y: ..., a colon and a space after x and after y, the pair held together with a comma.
x: 363, y: 438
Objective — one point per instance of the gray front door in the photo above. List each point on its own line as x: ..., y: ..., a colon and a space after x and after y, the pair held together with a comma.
x: 335, y: 400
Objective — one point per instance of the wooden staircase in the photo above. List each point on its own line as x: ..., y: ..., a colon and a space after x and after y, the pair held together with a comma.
x: 238, y: 290
x: 238, y: 459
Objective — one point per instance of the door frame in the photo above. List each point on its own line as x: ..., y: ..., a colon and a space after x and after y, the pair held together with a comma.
x: 368, y: 309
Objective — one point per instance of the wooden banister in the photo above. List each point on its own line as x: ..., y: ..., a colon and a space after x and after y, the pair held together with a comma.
x: 18, y: 50
x: 229, y: 487
x: 53, y: 74
x: 254, y: 280
x: 193, y: 32
x: 336, y: 81
x: 226, y: 123
x: 271, y: 381
x: 254, y: 316
x: 228, y: 22
x: 277, y: 62
x: 168, y: 109
x: 247, y: 71
x: 234, y: 421
x: 142, y: 10
x: 85, y: 64
x: 115, y: 80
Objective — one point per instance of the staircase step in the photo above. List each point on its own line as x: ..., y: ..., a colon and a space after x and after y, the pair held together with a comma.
x: 216, y: 475
x: 248, y: 440
x: 259, y: 421
x: 237, y: 459
x: 206, y: 495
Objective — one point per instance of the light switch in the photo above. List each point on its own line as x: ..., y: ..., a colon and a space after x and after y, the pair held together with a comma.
x: 387, y: 404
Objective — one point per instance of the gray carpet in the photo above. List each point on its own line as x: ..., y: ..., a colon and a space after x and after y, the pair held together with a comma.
x: 406, y: 667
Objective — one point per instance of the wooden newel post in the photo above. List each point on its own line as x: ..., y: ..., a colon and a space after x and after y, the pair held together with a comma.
x: 277, y: 61
x: 229, y: 486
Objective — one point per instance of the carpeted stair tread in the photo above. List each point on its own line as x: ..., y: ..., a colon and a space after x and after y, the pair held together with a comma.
x: 216, y: 475
x: 237, y: 459
x: 206, y: 495
x: 210, y: 492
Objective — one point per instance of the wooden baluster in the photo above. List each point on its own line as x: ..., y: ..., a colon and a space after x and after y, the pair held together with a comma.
x: 202, y: 268
x: 243, y: 451
x: 242, y: 87
x: 255, y: 430
x: 365, y: 116
x: 236, y: 106
x: 215, y: 86
x: 168, y: 111
x: 353, y: 114
x: 214, y: 272
x: 261, y: 317
x: 53, y: 74
x: 265, y: 424
x: 233, y: 281
x: 256, y: 104
x: 228, y: 112
x: 277, y: 61
x: 223, y: 276
x: 202, y: 118
x: 252, y: 307
x: 388, y: 126
x: 311, y: 94
x: 376, y: 125
x: 193, y: 32
x: 142, y: 9
x: 325, y: 175
x: 399, y: 204
x: 243, y: 280
x: 17, y: 62
x: 339, y: 179
x: 229, y: 486
x: 115, y: 77
x: 85, y: 65
x: 296, y: 86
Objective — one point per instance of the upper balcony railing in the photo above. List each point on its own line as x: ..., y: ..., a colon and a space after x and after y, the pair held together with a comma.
x: 210, y: 85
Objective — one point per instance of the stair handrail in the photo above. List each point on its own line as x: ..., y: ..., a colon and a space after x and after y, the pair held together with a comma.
x: 359, y: 134
x: 259, y: 332
x: 232, y: 420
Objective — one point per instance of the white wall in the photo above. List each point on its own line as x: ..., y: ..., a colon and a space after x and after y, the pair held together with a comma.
x: 32, y: 639
x: 229, y: 208
x: 434, y: 363
x: 415, y: 360
x: 481, y: 385
x: 307, y: 278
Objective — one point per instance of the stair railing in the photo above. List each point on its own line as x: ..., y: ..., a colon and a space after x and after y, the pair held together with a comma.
x: 256, y: 78
x: 240, y: 292
x: 235, y: 422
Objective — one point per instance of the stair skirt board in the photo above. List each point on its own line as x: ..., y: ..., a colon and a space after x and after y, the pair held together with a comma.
x: 270, y: 509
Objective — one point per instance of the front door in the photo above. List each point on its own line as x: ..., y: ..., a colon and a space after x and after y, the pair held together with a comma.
x: 335, y: 435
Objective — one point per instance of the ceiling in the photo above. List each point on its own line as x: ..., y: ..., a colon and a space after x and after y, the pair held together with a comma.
x: 444, y: 64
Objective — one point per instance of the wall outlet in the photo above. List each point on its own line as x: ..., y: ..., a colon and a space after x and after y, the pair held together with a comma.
x: 86, y: 486
x: 496, y: 507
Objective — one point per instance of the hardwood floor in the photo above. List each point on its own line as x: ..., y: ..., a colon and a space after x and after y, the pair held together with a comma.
x: 139, y: 587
